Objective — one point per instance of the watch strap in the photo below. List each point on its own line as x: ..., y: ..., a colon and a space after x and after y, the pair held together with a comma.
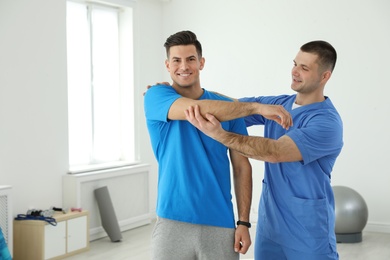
x: 247, y: 224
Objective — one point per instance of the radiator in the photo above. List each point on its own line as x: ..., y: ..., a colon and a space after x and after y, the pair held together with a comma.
x: 6, y: 215
x: 129, y: 191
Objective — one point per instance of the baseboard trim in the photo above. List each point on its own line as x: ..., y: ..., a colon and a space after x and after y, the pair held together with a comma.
x: 377, y: 227
x: 99, y: 232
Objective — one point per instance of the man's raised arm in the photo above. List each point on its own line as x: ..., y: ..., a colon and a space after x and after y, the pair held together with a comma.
x: 225, y: 110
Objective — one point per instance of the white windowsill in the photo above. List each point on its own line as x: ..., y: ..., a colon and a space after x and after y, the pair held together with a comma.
x: 101, y: 166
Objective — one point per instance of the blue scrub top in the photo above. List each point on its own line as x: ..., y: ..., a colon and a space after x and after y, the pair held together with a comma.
x: 296, y: 207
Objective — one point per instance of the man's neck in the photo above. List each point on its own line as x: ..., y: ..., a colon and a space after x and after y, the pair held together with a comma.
x: 193, y: 92
x: 303, y: 99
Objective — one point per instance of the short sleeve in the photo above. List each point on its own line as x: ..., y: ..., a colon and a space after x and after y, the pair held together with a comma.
x: 319, y: 137
x: 157, y: 102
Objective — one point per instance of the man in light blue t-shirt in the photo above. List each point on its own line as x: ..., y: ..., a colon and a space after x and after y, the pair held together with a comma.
x: 296, y: 211
x: 194, y: 207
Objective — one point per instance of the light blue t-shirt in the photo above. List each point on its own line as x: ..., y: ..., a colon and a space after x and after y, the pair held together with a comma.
x: 194, y: 170
x: 297, y: 204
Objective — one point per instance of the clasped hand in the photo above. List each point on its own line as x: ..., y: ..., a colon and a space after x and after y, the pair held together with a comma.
x: 209, y: 125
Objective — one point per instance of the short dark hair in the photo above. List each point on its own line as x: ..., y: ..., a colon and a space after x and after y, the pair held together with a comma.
x: 327, y: 55
x: 183, y: 38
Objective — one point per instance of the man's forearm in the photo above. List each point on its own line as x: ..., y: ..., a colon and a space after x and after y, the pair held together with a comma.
x: 243, y: 190
x: 260, y: 148
x: 242, y: 174
x: 225, y: 111
x: 254, y: 147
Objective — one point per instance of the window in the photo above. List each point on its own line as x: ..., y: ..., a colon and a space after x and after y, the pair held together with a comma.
x: 100, y: 84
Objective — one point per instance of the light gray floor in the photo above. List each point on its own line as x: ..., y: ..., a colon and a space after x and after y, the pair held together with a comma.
x: 136, y: 245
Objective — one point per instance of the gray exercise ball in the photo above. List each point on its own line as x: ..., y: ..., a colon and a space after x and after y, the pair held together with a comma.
x: 351, y: 214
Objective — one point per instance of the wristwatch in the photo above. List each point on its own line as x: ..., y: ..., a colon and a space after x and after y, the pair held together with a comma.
x: 247, y: 224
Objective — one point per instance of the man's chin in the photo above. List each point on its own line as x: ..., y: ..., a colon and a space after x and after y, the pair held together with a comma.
x: 183, y: 85
x: 295, y: 86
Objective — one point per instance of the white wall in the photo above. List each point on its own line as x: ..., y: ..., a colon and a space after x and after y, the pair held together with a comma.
x: 249, y: 47
x: 33, y: 101
x: 33, y: 95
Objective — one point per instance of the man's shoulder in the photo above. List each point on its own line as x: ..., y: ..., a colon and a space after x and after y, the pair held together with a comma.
x: 160, y: 88
x: 160, y: 93
x: 207, y: 94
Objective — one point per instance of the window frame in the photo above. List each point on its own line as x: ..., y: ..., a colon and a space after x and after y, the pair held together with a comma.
x: 130, y: 154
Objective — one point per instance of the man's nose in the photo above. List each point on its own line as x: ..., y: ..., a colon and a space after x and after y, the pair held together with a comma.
x: 184, y: 65
x: 295, y: 71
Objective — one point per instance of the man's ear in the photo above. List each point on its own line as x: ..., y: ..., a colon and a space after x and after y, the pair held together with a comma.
x: 167, y: 64
x: 202, y: 61
x: 326, y: 75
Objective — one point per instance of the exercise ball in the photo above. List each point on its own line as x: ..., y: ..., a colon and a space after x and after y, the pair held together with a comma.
x: 351, y: 214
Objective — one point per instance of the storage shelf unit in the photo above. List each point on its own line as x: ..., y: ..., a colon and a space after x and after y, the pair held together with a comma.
x: 39, y: 240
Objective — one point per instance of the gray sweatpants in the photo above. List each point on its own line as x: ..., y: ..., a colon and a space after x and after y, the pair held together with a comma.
x: 175, y: 240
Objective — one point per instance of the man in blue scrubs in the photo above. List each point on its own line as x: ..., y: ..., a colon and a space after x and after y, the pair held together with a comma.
x: 296, y: 210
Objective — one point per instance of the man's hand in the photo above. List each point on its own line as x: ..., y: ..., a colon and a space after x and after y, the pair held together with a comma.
x: 278, y: 114
x: 242, y: 240
x: 209, y: 125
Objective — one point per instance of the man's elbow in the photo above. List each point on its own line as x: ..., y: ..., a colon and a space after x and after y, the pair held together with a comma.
x: 273, y: 159
x: 280, y: 158
x: 266, y: 158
